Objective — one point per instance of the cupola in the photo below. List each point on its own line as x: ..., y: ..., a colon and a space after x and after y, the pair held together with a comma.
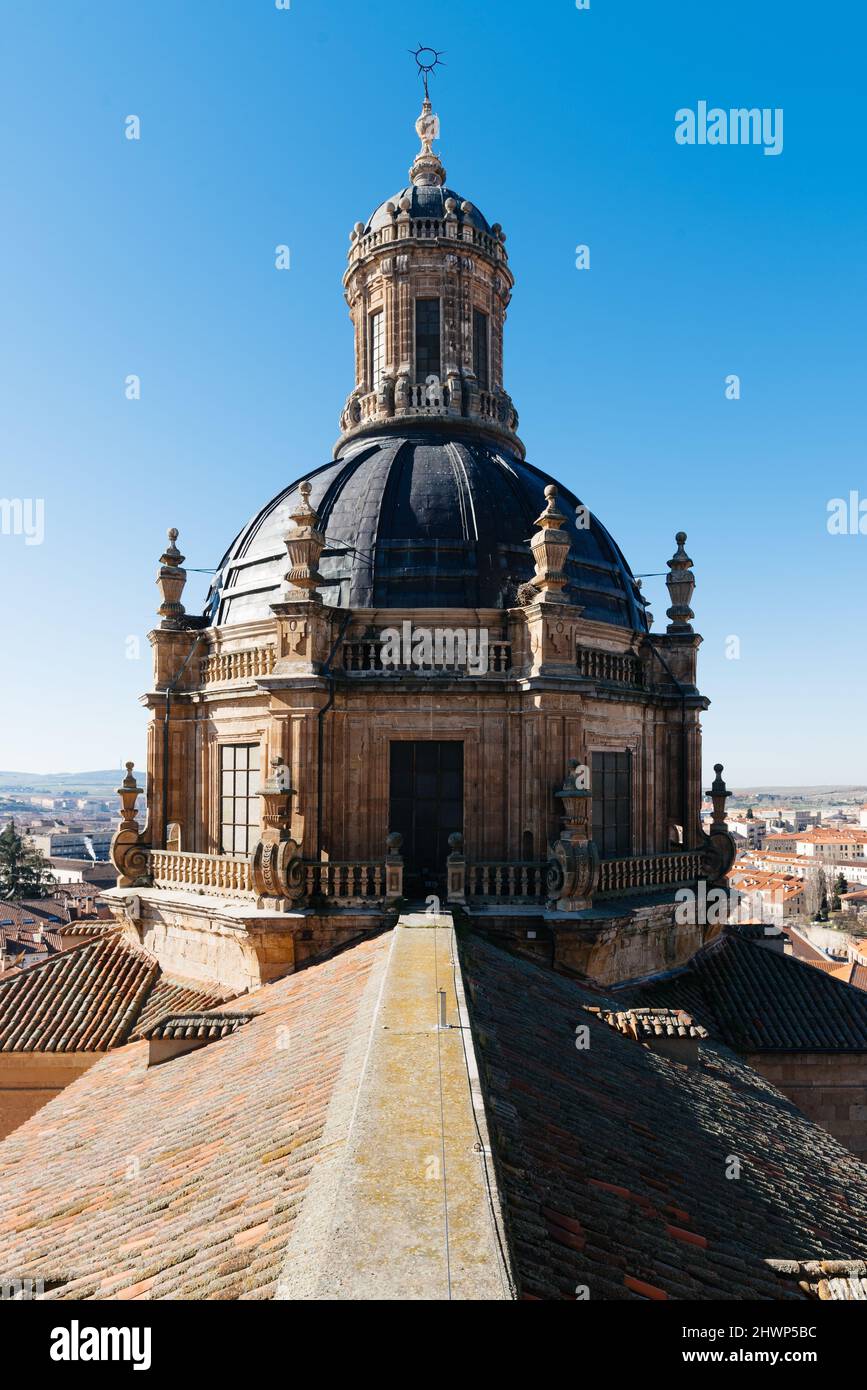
x: 428, y: 285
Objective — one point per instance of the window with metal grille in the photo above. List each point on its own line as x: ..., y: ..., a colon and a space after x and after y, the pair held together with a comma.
x: 480, y: 349
x: 377, y: 347
x: 239, y: 797
x: 612, y: 803
x: 427, y: 338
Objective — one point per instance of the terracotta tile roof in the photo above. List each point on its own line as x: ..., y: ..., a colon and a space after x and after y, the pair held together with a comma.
x: 184, y: 1180
x: 650, y: 1023
x: 174, y: 996
x: 756, y: 1000
x: 201, y: 1025
x: 612, y: 1160
x: 88, y: 998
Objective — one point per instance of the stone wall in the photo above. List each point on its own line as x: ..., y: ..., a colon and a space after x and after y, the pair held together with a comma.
x: 828, y: 1087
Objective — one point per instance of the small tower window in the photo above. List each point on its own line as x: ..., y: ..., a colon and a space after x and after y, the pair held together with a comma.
x: 239, y: 797
x: 377, y: 347
x: 480, y: 349
x: 612, y: 803
x: 427, y: 339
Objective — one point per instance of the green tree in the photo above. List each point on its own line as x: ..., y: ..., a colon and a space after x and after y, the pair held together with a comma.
x: 840, y: 887
x: 822, y: 896
x: 24, y: 872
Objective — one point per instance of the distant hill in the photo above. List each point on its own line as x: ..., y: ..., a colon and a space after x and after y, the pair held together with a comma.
x: 101, y: 781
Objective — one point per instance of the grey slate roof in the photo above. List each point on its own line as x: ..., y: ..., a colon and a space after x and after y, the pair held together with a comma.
x: 758, y: 1000
x: 426, y: 520
x: 613, y: 1162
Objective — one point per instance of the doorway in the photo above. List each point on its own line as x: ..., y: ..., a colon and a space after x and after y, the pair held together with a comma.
x: 426, y: 806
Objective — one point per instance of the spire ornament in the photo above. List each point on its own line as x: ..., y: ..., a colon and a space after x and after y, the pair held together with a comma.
x: 427, y: 168
x: 171, y: 579
x: 550, y: 546
x: 304, y: 544
x: 681, y: 586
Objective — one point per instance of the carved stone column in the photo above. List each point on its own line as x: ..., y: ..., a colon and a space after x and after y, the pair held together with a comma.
x: 573, y: 869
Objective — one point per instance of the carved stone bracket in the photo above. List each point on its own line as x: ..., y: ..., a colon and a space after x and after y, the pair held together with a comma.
x: 129, y: 852
x: 573, y: 868
x: 278, y: 874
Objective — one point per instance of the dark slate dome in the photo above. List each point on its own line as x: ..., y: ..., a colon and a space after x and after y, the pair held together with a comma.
x: 427, y: 200
x: 425, y: 520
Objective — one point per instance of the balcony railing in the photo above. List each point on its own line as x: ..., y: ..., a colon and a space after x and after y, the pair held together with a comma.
x: 365, y: 654
x: 346, y: 882
x: 522, y: 881
x: 616, y: 668
x: 237, y: 666
x: 649, y: 871
x: 229, y: 875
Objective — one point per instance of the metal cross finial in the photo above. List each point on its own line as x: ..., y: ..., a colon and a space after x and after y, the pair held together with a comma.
x: 426, y: 60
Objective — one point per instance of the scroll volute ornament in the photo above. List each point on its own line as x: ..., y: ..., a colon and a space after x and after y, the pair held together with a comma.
x: 573, y: 868
x: 129, y: 853
x: 277, y: 869
x: 550, y: 547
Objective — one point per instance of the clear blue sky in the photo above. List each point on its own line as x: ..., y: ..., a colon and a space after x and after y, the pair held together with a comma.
x: 261, y: 126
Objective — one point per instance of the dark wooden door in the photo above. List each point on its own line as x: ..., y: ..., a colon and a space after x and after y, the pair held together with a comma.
x: 426, y: 805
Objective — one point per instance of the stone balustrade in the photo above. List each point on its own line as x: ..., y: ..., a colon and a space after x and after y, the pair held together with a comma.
x: 488, y: 880
x: 649, y: 871
x: 237, y: 666
x: 617, y: 668
x: 405, y: 228
x: 349, y: 882
x: 365, y: 654
x: 229, y: 875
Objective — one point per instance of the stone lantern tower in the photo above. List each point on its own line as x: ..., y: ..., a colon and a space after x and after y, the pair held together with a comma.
x: 428, y: 285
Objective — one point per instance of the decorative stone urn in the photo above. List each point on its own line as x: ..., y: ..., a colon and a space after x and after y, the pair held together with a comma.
x: 573, y: 869
x: 550, y: 547
x: 171, y: 579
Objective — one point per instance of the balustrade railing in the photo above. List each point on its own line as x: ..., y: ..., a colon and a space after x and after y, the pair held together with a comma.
x: 520, y: 881
x: 237, y: 666
x: 365, y: 654
x: 225, y: 874
x: 346, y: 881
x: 649, y: 871
x: 618, y: 668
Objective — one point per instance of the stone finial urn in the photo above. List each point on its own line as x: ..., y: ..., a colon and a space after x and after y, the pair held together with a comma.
x: 550, y: 547
x: 304, y: 544
x: 171, y: 579
x: 681, y: 586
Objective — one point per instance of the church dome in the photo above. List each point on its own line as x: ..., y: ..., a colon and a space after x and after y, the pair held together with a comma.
x: 427, y: 200
x: 423, y: 520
